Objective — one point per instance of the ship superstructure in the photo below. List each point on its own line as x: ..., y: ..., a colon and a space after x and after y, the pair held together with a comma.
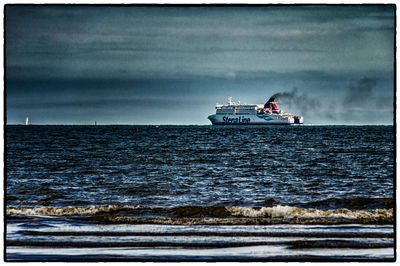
x: 252, y: 114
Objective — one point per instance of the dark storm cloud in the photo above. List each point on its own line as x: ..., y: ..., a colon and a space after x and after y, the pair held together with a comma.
x: 362, y: 101
x: 365, y: 102
x: 99, y: 103
x: 359, y: 93
x: 90, y: 40
x: 305, y: 75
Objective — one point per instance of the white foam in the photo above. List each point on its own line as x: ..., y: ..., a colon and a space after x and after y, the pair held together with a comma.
x: 65, y: 211
x: 295, y: 212
x: 274, y: 212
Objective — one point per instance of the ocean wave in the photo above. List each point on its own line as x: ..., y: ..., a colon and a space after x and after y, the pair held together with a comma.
x: 140, y: 214
x: 70, y: 211
x: 295, y: 212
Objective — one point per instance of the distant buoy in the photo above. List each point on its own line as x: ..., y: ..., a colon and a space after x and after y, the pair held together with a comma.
x: 27, y: 121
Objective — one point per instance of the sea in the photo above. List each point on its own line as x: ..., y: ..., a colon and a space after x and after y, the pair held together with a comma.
x: 199, y: 193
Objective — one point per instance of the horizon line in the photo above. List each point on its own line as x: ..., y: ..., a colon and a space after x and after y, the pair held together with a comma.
x: 188, y: 125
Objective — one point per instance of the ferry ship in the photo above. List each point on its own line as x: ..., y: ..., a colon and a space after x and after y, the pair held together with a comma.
x: 252, y: 114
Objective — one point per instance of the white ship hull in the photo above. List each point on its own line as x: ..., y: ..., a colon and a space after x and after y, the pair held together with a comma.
x: 252, y: 114
x: 264, y: 119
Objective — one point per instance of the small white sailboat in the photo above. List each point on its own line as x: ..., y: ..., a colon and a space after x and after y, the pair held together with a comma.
x: 27, y: 121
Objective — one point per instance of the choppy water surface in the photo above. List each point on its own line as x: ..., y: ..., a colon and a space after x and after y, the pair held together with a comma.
x: 195, y: 183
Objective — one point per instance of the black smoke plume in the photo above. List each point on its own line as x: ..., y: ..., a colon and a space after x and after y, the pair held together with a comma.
x: 360, y: 93
x: 359, y: 102
x: 300, y: 102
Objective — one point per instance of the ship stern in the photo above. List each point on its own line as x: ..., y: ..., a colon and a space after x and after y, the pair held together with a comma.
x: 298, y: 120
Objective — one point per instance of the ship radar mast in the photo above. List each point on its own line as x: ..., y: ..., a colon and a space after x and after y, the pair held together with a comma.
x: 229, y: 100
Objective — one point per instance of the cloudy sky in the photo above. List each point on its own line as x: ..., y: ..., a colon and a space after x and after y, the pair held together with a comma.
x: 172, y: 64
